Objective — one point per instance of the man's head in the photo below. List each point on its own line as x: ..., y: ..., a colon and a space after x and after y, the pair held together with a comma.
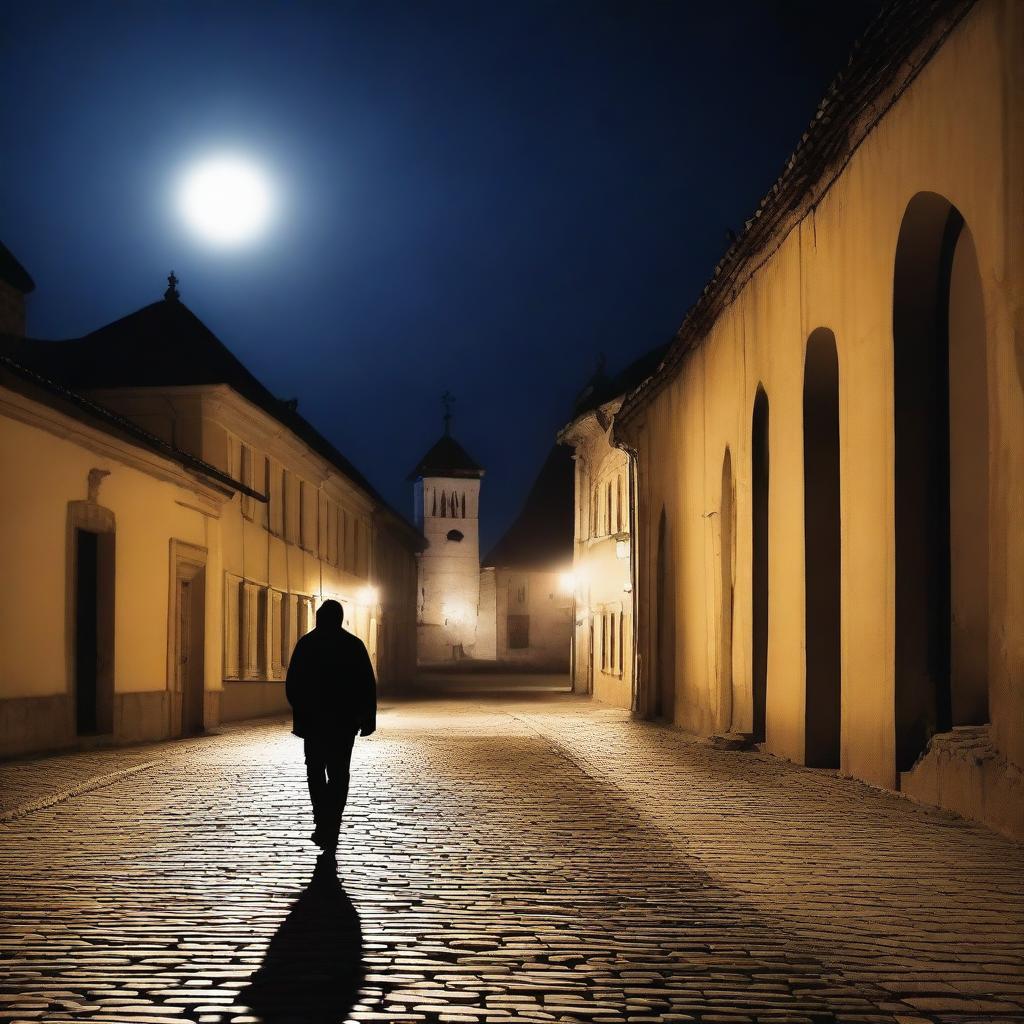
x: 330, y: 615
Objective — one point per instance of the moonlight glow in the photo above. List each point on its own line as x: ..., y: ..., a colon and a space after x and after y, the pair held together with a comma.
x: 226, y: 200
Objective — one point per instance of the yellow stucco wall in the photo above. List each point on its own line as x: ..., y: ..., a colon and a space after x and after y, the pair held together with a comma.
x: 47, y: 472
x: 956, y: 131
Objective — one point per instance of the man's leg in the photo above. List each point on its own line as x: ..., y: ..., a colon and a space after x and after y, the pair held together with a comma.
x: 316, y: 776
x: 339, y: 761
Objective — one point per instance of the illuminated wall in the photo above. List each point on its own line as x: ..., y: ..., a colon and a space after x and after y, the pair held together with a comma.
x: 449, y: 567
x: 603, y: 632
x: 911, y: 261
x: 153, y: 511
x: 318, y: 537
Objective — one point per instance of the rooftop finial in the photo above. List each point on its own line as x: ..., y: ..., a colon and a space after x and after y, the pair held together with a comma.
x: 172, y: 294
x: 447, y: 400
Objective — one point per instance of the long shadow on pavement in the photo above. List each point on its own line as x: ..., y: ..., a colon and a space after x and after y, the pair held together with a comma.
x: 313, y: 969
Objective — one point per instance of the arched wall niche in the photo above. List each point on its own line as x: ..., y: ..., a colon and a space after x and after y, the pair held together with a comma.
x: 940, y: 413
x: 759, y: 450
x: 822, y: 553
x: 665, y: 625
x: 727, y: 541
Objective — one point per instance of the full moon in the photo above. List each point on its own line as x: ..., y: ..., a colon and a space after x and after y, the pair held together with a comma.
x: 226, y: 200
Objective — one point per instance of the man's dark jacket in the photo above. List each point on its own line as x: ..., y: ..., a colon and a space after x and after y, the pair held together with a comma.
x: 330, y: 686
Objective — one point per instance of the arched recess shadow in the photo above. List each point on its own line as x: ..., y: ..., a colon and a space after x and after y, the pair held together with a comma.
x: 727, y: 527
x: 665, y: 624
x: 759, y: 560
x: 313, y: 969
x: 822, y: 553
x: 941, y: 412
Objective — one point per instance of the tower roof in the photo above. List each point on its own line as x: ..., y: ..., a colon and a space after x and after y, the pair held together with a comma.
x: 447, y: 458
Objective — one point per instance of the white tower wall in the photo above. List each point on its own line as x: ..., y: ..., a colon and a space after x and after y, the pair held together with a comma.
x: 449, y: 568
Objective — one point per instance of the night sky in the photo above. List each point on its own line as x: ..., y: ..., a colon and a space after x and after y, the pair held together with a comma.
x: 478, y: 197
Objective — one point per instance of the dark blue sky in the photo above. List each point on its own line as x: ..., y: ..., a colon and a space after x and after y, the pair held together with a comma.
x: 476, y: 196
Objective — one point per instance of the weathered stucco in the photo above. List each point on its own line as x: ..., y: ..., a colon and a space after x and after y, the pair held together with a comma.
x: 957, y: 132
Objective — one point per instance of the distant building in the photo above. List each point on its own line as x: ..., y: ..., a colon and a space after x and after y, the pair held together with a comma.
x: 446, y: 501
x: 169, y: 531
x: 526, y: 586
x: 603, y: 635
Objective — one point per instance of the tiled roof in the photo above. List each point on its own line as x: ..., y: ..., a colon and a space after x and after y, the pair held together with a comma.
x: 601, y: 388
x: 542, y: 535
x: 447, y: 458
x: 898, y: 43
x: 165, y: 344
x: 42, y: 388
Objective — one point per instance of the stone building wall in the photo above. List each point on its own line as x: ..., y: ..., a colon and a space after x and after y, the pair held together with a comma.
x: 150, y: 512
x: 317, y: 537
x: 923, y: 221
x: 603, y: 633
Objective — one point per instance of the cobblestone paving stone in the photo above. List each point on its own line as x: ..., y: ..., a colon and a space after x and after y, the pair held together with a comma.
x: 505, y: 862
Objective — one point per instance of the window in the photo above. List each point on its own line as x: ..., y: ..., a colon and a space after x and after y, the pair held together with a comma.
x: 518, y: 595
x: 248, y: 504
x: 433, y: 495
x: 363, y: 549
x: 518, y: 632
x: 290, y: 627
x: 594, y: 509
x: 232, y: 623
x: 608, y: 509
x: 612, y: 660
x: 275, y: 494
x: 618, y: 504
x: 251, y: 633
x: 278, y: 655
x: 455, y: 535
x: 621, y: 653
x: 463, y: 505
x: 307, y: 516
x: 321, y: 524
x: 332, y: 534
x: 291, y: 507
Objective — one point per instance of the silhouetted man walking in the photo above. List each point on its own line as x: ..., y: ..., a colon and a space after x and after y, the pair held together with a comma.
x: 333, y: 695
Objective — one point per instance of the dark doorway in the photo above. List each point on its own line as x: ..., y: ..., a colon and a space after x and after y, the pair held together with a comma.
x: 86, y: 638
x: 759, y: 561
x: 94, y: 632
x: 189, y: 638
x: 822, y: 552
x: 665, y: 638
x: 941, y: 469
x: 726, y: 511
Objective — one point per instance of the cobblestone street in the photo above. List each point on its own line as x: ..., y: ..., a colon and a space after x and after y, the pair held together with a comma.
x: 522, y: 859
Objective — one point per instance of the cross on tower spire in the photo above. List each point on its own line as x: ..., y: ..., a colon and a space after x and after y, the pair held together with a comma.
x: 447, y: 400
x: 172, y: 294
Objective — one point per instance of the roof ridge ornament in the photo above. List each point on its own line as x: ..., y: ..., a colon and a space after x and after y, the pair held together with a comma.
x: 172, y: 294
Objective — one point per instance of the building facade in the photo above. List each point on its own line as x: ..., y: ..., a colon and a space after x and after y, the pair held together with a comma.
x: 527, y: 593
x: 183, y: 526
x: 829, y: 457
x: 446, y: 505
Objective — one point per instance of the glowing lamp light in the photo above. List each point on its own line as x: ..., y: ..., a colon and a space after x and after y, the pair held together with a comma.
x: 369, y: 596
x: 454, y: 615
x: 622, y: 549
x: 567, y: 582
x: 226, y: 200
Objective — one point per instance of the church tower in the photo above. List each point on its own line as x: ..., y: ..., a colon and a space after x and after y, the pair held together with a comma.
x: 446, y: 508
